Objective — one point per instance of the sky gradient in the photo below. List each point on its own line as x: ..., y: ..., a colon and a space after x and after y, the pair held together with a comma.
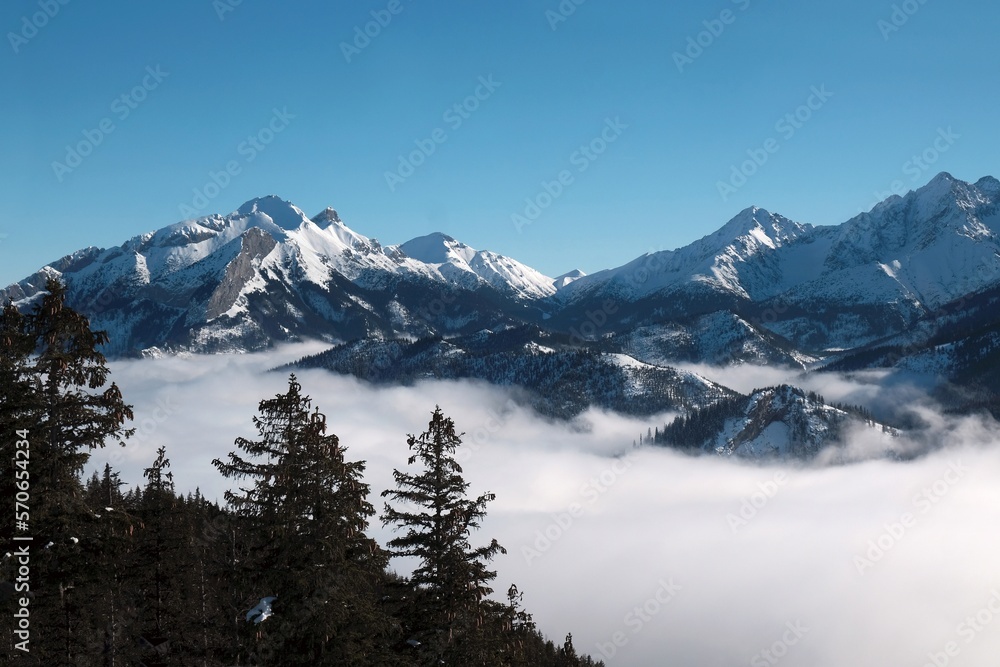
x: 591, y: 115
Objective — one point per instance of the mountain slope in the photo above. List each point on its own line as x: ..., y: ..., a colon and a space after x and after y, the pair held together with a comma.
x: 557, y: 378
x: 720, y: 338
x: 958, y: 343
x: 774, y: 422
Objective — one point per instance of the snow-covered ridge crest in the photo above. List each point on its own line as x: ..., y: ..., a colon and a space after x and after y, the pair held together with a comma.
x: 325, y: 244
x: 733, y: 259
x: 453, y: 259
x: 267, y: 273
x: 917, y: 251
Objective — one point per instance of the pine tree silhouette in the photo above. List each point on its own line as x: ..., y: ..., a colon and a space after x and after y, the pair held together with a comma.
x: 437, y: 518
x: 305, y: 514
x: 52, y: 379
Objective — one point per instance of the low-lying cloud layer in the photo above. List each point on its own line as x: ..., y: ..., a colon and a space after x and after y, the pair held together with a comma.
x: 647, y: 556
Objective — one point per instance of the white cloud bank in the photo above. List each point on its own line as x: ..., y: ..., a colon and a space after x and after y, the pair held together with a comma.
x: 656, y: 557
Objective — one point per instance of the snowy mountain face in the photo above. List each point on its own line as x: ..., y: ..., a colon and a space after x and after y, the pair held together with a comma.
x: 267, y: 273
x: 720, y: 339
x: 738, y: 259
x: 552, y: 375
x: 456, y: 262
x: 776, y: 422
x: 819, y: 287
x: 958, y: 343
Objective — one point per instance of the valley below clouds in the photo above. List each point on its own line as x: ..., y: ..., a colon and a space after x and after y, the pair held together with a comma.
x: 650, y: 556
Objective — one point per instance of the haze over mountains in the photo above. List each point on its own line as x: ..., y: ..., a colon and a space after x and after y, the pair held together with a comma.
x: 911, y: 285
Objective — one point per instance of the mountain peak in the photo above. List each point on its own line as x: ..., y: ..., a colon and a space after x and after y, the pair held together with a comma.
x: 944, y: 192
x: 989, y: 185
x: 436, y: 248
x: 745, y: 220
x: 568, y: 277
x: 765, y: 227
x: 327, y: 217
x: 283, y: 213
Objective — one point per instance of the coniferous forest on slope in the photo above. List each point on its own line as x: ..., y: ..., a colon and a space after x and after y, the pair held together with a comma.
x: 282, y: 574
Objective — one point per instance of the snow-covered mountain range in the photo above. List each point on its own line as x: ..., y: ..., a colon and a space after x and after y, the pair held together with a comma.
x: 825, y: 287
x: 268, y: 273
x: 883, y: 289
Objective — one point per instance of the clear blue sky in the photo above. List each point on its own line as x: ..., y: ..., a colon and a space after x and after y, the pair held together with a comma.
x: 655, y: 186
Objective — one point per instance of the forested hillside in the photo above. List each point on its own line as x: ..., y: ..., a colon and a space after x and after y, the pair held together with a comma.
x: 98, y: 573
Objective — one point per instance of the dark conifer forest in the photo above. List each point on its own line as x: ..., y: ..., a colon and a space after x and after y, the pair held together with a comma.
x: 137, y: 572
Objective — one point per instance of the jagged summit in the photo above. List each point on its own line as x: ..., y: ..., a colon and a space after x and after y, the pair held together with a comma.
x: 327, y: 217
x: 758, y: 224
x: 747, y: 220
x: 734, y: 260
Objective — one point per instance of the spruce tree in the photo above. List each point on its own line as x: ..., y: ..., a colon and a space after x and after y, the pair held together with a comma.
x: 159, y: 543
x: 52, y: 384
x: 306, y: 512
x: 111, y: 583
x: 436, y: 518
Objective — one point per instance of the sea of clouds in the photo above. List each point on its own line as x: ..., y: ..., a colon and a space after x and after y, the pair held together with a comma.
x: 648, y: 556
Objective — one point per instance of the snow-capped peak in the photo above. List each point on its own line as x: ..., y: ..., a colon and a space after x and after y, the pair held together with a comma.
x: 437, y: 248
x: 567, y: 278
x: 326, y: 218
x: 283, y: 213
x: 770, y: 228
